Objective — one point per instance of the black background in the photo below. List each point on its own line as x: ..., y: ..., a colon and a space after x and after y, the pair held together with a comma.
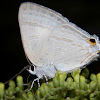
x: 84, y: 14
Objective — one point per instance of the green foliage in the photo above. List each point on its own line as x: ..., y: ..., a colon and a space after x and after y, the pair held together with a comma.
x: 74, y: 86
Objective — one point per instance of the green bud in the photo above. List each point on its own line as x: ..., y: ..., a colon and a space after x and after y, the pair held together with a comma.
x: 92, y: 85
x: 17, y: 89
x: 98, y: 80
x: 76, y: 72
x: 68, y: 98
x: 11, y: 93
x: 69, y: 83
x: 42, y: 92
x: 12, y: 84
x: 75, y: 85
x: 6, y: 92
x: 69, y: 80
x: 91, y: 96
x: 59, y: 72
x: 2, y: 87
x: 85, y: 73
x: 46, y: 89
x: 87, y: 81
x: 76, y: 78
x: 38, y: 95
x: 24, y: 95
x: 64, y: 75
x: 51, y: 85
x: 30, y: 95
x: 11, y: 88
x: 87, y: 86
x: 61, y: 78
x: 56, y: 82
x: 20, y: 82
x: 42, y: 89
x: 93, y: 77
x: 82, y: 83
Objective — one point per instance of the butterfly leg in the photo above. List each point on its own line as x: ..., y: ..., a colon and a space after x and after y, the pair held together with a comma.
x: 46, y: 79
x: 37, y: 79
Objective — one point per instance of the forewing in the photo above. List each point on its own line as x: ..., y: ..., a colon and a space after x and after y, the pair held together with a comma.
x: 36, y: 23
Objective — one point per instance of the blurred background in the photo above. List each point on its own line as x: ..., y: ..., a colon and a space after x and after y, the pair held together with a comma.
x: 84, y: 14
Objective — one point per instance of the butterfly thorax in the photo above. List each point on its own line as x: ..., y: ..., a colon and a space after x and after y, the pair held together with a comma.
x: 46, y: 70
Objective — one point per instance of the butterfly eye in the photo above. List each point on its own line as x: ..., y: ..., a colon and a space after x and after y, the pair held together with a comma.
x: 92, y: 41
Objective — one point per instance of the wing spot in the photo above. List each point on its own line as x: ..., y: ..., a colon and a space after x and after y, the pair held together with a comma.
x: 92, y: 41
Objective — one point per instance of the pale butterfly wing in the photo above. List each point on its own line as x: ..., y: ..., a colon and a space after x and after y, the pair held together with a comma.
x: 36, y: 23
x: 70, y: 48
x: 53, y: 43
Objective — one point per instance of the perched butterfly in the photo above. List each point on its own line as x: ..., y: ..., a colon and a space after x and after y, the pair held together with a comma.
x: 52, y: 43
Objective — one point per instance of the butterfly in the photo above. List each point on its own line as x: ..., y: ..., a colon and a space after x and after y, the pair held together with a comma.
x: 52, y: 43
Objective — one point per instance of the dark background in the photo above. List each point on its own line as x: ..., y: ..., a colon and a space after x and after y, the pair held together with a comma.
x: 84, y: 14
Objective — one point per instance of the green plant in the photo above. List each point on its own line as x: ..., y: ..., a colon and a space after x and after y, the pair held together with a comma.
x: 74, y: 86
